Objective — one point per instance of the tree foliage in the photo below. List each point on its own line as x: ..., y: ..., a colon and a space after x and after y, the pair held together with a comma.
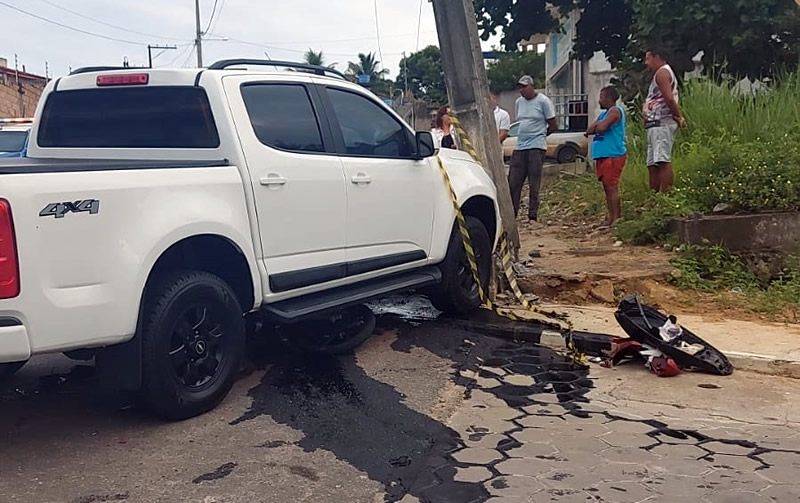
x: 367, y: 64
x: 510, y: 66
x: 754, y: 38
x: 314, y: 58
x: 425, y: 75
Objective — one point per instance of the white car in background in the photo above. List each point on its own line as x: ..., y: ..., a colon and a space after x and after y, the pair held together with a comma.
x: 14, y: 137
x: 563, y: 146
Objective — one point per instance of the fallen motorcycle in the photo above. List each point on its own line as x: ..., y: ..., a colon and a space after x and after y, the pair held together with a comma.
x: 666, y: 345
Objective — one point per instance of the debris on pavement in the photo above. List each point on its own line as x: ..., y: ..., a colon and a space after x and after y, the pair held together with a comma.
x: 666, y: 347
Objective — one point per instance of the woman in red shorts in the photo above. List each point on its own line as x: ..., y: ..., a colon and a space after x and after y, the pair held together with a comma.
x: 609, y: 150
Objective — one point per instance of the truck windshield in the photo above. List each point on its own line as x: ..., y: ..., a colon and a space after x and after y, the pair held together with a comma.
x: 146, y: 117
x: 12, y: 141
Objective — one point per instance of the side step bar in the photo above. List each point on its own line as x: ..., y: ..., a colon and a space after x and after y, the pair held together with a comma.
x: 293, y: 310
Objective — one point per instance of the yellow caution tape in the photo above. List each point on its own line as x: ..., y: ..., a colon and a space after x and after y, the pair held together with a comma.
x: 508, y: 263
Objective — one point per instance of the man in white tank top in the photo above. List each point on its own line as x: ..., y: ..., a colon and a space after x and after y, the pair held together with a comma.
x: 662, y: 117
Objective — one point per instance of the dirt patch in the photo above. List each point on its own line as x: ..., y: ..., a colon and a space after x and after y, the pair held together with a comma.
x: 579, y: 262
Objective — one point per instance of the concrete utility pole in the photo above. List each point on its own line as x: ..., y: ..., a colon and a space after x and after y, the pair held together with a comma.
x: 468, y: 90
x: 198, y: 41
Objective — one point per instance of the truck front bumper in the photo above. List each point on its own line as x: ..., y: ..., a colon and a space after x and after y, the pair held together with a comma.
x: 14, y: 345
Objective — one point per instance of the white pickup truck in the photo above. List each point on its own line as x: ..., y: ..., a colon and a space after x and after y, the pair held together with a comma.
x: 158, y: 210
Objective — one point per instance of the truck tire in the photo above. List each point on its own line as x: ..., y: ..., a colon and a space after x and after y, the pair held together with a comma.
x: 193, y: 337
x: 458, y: 293
x: 9, y: 369
x: 338, y: 333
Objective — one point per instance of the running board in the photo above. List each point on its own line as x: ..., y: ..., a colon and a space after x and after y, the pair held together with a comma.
x: 293, y: 310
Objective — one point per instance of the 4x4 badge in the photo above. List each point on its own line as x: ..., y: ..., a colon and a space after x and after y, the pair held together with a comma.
x: 59, y: 210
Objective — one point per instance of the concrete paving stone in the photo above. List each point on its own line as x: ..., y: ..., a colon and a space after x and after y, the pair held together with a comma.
x: 615, y: 439
x: 628, y: 455
x: 769, y: 436
x: 562, y: 496
x: 473, y: 474
x: 519, y: 380
x: 783, y: 493
x: 477, y: 456
x: 622, y: 492
x: 486, y: 383
x: 735, y: 479
x: 569, y: 477
x: 509, y: 499
x: 410, y: 499
x: 628, y: 427
x: 585, y: 429
x: 469, y: 422
x: 736, y: 497
x: 544, y: 410
x: 496, y: 371
x: 547, y: 422
x: 784, y: 469
x: 676, y: 437
x: 531, y: 450
x: 535, y: 435
x: 678, y: 451
x: 678, y: 488
x: 492, y: 412
x: 733, y: 463
x: 626, y: 415
x: 580, y: 444
x: 725, y: 448
x: 529, y: 467
x: 680, y: 466
x: 485, y: 440
x: 513, y: 485
x: 620, y: 472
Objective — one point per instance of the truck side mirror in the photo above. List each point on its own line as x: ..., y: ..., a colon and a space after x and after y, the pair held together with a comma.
x: 425, y: 145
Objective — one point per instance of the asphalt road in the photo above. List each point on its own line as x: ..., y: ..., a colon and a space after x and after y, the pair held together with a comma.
x: 391, y: 423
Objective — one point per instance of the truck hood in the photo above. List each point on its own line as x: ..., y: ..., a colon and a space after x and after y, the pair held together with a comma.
x: 454, y: 157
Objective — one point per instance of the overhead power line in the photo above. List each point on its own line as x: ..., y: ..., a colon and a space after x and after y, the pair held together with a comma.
x: 111, y: 25
x: 419, y: 24
x: 211, y: 19
x: 68, y: 27
x: 378, y: 32
x: 219, y: 14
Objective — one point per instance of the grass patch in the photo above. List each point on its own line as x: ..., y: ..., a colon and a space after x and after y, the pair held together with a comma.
x: 740, y: 150
x: 713, y: 269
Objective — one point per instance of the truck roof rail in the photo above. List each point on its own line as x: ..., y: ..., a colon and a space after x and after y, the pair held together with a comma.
x: 316, y: 69
x: 90, y: 69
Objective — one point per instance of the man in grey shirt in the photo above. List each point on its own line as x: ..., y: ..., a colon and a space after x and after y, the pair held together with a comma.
x: 537, y: 119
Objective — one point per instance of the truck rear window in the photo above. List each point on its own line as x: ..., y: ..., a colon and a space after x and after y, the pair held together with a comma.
x: 147, y: 117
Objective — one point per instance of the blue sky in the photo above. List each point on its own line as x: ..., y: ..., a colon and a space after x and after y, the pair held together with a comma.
x: 283, y: 28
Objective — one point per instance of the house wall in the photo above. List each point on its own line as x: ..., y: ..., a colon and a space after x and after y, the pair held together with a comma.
x: 10, y: 97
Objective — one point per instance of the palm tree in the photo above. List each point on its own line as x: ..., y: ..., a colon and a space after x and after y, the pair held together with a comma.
x: 367, y: 65
x: 314, y: 58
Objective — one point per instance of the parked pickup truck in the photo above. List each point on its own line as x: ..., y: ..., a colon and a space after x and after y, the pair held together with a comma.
x: 159, y: 210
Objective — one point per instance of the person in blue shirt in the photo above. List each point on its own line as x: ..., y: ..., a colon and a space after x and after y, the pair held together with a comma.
x: 537, y: 119
x: 609, y: 149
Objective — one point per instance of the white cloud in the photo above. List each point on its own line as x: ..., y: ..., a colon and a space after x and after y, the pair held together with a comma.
x: 286, y: 29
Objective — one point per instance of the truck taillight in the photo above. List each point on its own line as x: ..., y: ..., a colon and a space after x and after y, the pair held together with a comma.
x: 9, y: 266
x: 125, y: 79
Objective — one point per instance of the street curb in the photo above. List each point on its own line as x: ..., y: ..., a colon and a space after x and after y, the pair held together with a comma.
x: 762, y: 364
x: 597, y: 345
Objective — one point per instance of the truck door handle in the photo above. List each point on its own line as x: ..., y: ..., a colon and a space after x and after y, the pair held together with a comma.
x: 273, y: 179
x: 360, y: 178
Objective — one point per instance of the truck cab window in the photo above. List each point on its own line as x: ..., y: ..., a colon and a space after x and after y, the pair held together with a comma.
x: 367, y: 128
x: 283, y: 117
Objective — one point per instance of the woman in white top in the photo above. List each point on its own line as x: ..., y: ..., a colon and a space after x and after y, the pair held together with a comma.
x: 444, y: 134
